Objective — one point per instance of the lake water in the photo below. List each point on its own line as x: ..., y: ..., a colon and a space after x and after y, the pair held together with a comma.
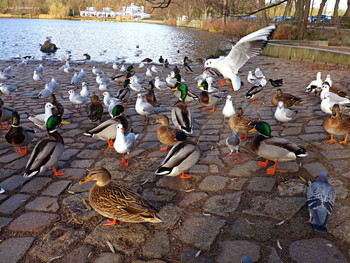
x: 23, y: 36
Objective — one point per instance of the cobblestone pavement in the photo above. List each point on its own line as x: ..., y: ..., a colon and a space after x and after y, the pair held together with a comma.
x: 229, y: 208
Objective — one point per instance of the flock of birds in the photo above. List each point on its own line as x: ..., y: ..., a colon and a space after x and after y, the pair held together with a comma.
x: 116, y: 201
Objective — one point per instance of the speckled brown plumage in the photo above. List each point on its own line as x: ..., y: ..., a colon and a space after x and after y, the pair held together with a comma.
x: 337, y: 124
x: 116, y: 201
x: 166, y: 135
x: 288, y: 99
x: 95, y: 109
x: 239, y: 123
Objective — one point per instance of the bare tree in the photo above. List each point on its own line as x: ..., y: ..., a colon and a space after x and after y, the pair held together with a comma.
x: 320, y: 10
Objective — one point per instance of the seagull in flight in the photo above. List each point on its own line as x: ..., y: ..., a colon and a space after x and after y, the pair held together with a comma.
x: 247, y: 47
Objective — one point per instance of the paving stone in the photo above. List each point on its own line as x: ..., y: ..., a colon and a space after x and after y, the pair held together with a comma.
x: 82, y: 253
x: 7, y: 158
x: 339, y: 224
x: 288, y: 167
x: 56, y: 188
x: 261, y: 184
x: 158, y: 194
x: 193, y: 198
x: 315, y: 250
x: 292, y: 187
x: 199, y: 169
x: 237, y: 183
x: 60, y: 239
x: 244, y: 170
x: 199, y: 230
x: 45, y: 204
x: 340, y: 189
x: 210, y: 159
x: 13, y: 249
x: 125, y: 238
x: 80, y: 188
x: 79, y: 208
x: 340, y: 165
x: 17, y: 164
x: 170, y: 216
x: 68, y: 154
x: 107, y: 257
x: 13, y: 203
x: 13, y: 182
x: 82, y: 163
x: 156, y: 246
x: 279, y: 208
x: 35, y: 184
x: 232, y: 251
x: 193, y: 255
x: 174, y: 183
x: 346, y: 175
x: 336, y: 154
x: 213, y: 183
x: 313, y: 129
x: 313, y: 137
x: 274, y: 257
x: 33, y: 221
x: 315, y: 168
x: 4, y: 221
x: 223, y: 205
x: 4, y: 173
x: 88, y: 154
x: 252, y: 229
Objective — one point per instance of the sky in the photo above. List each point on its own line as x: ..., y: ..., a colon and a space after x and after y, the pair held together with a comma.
x: 330, y: 4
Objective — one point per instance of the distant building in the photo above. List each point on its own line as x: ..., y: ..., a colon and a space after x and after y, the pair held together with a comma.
x: 89, y: 12
x: 137, y: 12
x: 133, y: 11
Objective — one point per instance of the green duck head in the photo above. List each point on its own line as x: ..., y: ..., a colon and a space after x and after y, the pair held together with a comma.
x: 184, y: 90
x: 117, y: 110
x: 204, y: 84
x: 52, y: 123
x: 150, y: 85
x: 15, y: 118
x: 263, y: 128
x: 130, y: 68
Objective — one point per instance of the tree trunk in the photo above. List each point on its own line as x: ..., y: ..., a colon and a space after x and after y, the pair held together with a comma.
x: 303, y: 10
x: 288, y: 8
x: 320, y: 11
x: 335, y: 18
x: 346, y: 17
x: 263, y: 13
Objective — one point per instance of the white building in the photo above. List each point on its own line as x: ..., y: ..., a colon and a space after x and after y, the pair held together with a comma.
x: 90, y: 11
x: 106, y: 12
x: 134, y: 11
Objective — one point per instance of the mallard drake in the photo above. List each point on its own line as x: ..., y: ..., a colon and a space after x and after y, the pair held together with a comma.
x: 47, y: 152
x: 5, y: 115
x: 288, y: 99
x: 254, y: 93
x: 274, y: 148
x: 123, y: 94
x: 181, y: 157
x: 143, y: 108
x: 106, y: 131
x: 116, y: 201
x: 124, y: 144
x: 164, y: 134
x: 125, y: 75
x: 150, y: 97
x: 19, y: 136
x: 95, y: 109
x: 228, y: 111
x: 207, y: 99
x: 183, y: 93
x: 182, y: 117
x: 337, y: 124
x: 241, y: 124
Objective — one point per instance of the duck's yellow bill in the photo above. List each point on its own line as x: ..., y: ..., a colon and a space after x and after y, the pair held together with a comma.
x: 65, y: 122
x: 125, y: 111
x: 252, y: 131
x: 174, y: 89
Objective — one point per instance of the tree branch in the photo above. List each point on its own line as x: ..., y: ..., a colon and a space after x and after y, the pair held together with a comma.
x: 159, y: 4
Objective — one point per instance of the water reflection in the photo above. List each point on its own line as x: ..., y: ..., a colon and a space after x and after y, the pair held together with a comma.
x: 23, y: 36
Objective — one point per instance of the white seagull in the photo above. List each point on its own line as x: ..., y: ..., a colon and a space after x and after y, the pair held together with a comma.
x: 247, y: 47
x: 77, y: 99
x: 228, y: 111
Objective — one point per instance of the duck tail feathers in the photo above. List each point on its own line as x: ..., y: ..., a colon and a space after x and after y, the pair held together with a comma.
x: 301, y: 152
x: 163, y: 171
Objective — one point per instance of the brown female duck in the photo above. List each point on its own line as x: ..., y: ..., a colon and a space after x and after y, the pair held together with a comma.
x: 337, y: 124
x: 116, y: 201
x: 240, y: 123
x: 165, y: 135
x: 288, y: 99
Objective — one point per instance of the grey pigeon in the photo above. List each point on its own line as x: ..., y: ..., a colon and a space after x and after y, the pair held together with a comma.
x: 233, y: 142
x: 320, y: 199
x: 246, y: 259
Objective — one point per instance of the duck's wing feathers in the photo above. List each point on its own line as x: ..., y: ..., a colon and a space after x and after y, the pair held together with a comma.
x: 182, y: 119
x: 247, y: 47
x: 285, y: 144
x: 101, y: 127
x: 41, y: 155
x: 178, y: 153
